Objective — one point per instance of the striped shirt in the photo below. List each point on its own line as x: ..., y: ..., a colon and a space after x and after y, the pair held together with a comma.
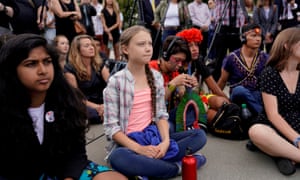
x: 199, y: 13
x: 240, y: 17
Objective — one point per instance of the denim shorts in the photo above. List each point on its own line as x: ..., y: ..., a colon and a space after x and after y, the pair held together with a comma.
x: 91, y: 170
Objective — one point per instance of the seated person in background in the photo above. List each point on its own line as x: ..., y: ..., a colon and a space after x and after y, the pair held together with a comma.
x: 242, y: 67
x: 197, y: 68
x: 43, y: 119
x: 62, y: 45
x: 105, y: 70
x: 175, y: 52
x: 135, y: 106
x: 277, y: 129
x: 84, y: 71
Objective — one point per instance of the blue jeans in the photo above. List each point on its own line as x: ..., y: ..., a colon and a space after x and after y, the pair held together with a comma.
x: 130, y: 163
x: 240, y: 95
x: 167, y: 33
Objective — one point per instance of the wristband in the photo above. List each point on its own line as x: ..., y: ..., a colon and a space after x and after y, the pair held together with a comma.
x: 171, y: 87
x: 296, y: 141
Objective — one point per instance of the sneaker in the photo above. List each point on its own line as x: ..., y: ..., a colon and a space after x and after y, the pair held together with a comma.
x: 141, y: 178
x: 201, y: 160
x: 285, y: 166
x: 251, y: 147
x: 179, y: 165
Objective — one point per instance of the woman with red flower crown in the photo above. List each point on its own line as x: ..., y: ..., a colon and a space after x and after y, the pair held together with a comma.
x: 216, y: 98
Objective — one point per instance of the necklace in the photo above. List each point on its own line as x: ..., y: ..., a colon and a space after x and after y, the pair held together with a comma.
x: 253, y: 61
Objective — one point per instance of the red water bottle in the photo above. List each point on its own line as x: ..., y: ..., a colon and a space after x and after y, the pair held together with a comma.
x: 189, y: 166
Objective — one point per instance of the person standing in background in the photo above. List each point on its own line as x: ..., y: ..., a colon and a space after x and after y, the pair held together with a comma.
x: 201, y: 19
x: 250, y: 8
x: 28, y: 18
x: 87, y: 11
x: 50, y: 30
x: 7, y: 11
x: 98, y: 26
x: 172, y: 16
x: 148, y: 8
x: 110, y: 17
x: 266, y: 15
x: 66, y: 11
x: 211, y: 29
x: 287, y: 13
x: 228, y: 38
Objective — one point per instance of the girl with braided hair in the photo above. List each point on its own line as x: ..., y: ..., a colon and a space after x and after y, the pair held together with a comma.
x: 135, y: 113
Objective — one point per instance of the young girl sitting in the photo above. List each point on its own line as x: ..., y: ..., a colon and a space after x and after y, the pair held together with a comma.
x: 43, y: 119
x: 135, y: 114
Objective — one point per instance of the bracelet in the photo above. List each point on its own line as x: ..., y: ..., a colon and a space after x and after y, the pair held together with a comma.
x: 296, y: 141
x: 171, y: 87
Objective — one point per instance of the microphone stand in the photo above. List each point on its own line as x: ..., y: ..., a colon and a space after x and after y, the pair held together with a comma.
x: 140, y: 20
x: 217, y: 30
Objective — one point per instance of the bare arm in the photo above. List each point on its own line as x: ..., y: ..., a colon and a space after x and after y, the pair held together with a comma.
x: 9, y: 11
x: 213, y: 86
x: 72, y: 81
x: 116, y: 25
x: 57, y: 9
x: 149, y: 150
x: 223, y: 79
x: 104, y: 23
x: 270, y: 105
x: 105, y: 73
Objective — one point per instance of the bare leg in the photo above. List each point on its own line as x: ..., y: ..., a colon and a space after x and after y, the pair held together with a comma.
x: 110, y: 175
x: 117, y: 51
x: 211, y: 113
x: 106, y: 50
x: 267, y: 140
x: 215, y: 102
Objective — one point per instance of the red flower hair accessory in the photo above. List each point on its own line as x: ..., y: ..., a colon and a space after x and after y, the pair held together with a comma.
x: 191, y: 35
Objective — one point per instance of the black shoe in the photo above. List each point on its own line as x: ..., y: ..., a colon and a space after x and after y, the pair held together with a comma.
x: 285, y: 166
x: 251, y: 147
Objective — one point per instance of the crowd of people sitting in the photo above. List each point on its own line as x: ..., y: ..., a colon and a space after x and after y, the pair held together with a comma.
x: 160, y: 94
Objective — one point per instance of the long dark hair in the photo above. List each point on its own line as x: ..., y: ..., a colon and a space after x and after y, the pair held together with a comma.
x: 65, y: 101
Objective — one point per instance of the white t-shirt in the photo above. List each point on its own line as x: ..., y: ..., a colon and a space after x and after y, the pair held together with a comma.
x: 37, y: 116
x: 98, y: 27
x: 172, y: 16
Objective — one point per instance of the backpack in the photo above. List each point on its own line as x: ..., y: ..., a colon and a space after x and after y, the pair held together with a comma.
x: 227, y: 123
x: 114, y: 65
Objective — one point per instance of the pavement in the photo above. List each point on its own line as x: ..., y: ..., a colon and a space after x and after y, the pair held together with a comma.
x: 226, y: 159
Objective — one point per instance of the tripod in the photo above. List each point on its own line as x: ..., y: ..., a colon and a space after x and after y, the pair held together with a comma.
x: 217, y: 30
x: 140, y: 20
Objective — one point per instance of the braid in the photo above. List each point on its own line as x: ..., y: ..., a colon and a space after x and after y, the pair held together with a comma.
x: 151, y: 83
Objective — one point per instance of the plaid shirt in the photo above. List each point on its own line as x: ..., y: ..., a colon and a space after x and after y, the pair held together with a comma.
x: 118, y: 100
x: 240, y: 17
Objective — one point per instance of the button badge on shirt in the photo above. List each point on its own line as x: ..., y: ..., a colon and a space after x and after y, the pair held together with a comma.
x: 50, y: 116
